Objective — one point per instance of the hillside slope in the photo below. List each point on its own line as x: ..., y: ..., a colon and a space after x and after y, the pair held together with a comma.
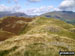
x: 5, y: 35
x: 42, y: 37
x: 67, y: 16
x: 13, y: 25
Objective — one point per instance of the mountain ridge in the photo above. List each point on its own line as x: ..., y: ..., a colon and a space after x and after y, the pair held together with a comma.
x: 42, y: 37
x: 8, y: 13
x: 67, y: 16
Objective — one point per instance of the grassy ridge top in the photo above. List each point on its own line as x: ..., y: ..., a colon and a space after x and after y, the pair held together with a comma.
x: 42, y: 37
x: 51, y: 26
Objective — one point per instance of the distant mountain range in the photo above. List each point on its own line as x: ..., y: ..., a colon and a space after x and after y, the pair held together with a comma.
x: 67, y: 16
x: 18, y: 14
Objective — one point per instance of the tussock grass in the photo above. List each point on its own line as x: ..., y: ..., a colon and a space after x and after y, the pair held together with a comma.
x: 41, y: 37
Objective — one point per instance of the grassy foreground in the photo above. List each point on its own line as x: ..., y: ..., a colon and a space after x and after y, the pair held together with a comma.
x: 41, y: 37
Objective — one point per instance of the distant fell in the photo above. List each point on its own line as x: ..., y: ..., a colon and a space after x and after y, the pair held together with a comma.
x: 67, y: 16
x: 18, y: 14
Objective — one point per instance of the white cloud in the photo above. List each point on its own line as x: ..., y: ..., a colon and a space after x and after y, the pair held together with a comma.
x: 38, y: 11
x: 34, y: 0
x: 57, y: 9
x: 12, y: 8
x: 16, y: 1
x: 29, y: 11
x: 3, y: 7
x: 67, y: 5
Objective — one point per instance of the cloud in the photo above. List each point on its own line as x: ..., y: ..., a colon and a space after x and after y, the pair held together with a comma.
x: 12, y: 8
x: 3, y: 7
x: 16, y: 1
x: 57, y: 9
x: 10, y: 1
x: 38, y: 11
x: 34, y: 0
x: 67, y: 5
x: 29, y: 11
x: 27, y: 0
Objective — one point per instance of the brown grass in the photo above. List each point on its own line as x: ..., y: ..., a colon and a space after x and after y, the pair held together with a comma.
x: 5, y: 35
x: 14, y: 24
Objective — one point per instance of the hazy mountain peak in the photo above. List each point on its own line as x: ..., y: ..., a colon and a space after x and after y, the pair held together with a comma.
x: 67, y: 16
x: 8, y: 13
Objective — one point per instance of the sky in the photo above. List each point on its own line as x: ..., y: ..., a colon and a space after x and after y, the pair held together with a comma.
x: 36, y: 7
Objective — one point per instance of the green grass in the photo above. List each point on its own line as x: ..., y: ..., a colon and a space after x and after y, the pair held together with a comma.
x: 62, y: 30
x: 5, y: 52
x: 39, y: 49
x: 35, y: 39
